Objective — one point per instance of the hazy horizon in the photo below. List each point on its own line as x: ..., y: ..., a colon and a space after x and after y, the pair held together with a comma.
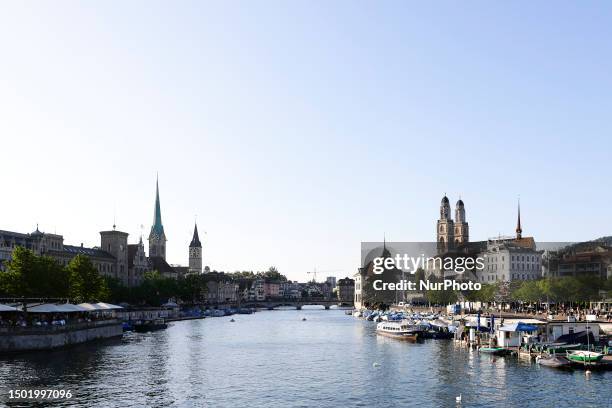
x: 295, y: 131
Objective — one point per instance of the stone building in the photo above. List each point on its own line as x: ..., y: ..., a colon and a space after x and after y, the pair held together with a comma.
x: 221, y: 288
x: 138, y: 263
x: 115, y: 243
x: 110, y: 258
x: 451, y: 234
x: 346, y: 290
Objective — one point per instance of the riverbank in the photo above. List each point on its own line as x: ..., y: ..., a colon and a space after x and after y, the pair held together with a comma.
x: 37, y: 338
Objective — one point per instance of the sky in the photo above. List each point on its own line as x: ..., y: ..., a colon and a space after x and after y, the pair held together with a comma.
x: 294, y: 131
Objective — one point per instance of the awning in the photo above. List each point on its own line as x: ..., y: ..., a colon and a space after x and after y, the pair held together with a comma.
x: 6, y: 308
x: 107, y: 306
x: 90, y: 307
x: 518, y: 327
x: 69, y: 307
x: 44, y: 308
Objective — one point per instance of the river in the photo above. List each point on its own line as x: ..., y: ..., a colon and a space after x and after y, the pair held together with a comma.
x: 275, y: 359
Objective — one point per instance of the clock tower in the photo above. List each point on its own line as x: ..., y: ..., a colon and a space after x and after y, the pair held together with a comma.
x: 195, y: 252
x: 157, y: 237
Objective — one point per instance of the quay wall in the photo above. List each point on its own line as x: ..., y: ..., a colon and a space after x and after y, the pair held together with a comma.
x: 14, y: 339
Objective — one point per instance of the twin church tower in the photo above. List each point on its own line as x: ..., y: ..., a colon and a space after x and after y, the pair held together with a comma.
x: 157, y: 239
x: 452, y: 233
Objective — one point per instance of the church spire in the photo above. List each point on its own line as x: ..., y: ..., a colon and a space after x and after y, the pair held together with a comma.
x: 157, y: 237
x: 195, y: 241
x: 519, y: 230
x: 158, y: 227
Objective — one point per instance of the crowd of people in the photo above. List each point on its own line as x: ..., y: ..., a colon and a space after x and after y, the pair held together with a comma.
x: 17, y: 319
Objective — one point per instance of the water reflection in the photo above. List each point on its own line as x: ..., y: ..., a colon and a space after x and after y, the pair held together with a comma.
x: 274, y: 359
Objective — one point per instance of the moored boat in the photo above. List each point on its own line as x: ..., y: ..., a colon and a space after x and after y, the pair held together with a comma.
x: 396, y: 330
x: 493, y: 350
x: 584, y: 356
x: 150, y: 325
x: 553, y: 361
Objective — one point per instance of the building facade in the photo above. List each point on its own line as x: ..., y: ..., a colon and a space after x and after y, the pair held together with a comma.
x: 449, y: 233
x: 346, y: 290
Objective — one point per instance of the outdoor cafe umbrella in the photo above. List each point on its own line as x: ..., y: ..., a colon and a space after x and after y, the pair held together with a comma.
x: 492, y: 323
x: 478, y: 321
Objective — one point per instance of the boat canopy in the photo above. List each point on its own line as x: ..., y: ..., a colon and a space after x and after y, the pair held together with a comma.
x: 6, y: 308
x: 518, y: 327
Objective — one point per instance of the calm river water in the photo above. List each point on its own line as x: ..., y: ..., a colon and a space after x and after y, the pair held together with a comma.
x: 274, y: 359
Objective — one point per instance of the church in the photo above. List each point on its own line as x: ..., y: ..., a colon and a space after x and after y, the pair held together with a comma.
x: 452, y: 234
x: 114, y: 257
x: 506, y: 258
x: 157, y: 247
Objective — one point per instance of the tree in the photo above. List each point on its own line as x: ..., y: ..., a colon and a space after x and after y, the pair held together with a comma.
x: 273, y: 274
x: 486, y: 293
x: 440, y: 297
x: 529, y: 291
x: 192, y: 288
x: 29, y: 275
x: 86, y: 284
x: 419, y: 276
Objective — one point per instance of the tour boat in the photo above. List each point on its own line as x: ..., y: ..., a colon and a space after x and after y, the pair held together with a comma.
x: 396, y: 330
x: 584, y: 356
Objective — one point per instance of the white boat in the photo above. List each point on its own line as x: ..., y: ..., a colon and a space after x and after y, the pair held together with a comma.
x: 397, y: 330
x: 584, y: 356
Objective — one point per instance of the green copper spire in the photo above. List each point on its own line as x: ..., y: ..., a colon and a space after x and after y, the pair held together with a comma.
x: 157, y: 227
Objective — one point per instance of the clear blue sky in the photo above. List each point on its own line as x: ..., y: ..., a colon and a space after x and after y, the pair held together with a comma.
x: 296, y: 130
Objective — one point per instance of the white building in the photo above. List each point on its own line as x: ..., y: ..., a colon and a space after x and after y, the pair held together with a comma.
x: 508, y: 259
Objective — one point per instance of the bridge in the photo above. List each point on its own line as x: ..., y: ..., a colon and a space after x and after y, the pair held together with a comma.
x: 271, y: 304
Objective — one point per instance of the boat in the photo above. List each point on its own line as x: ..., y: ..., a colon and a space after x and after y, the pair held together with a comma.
x: 498, y: 351
x: 584, y: 356
x: 554, y: 348
x: 145, y: 326
x: 553, y: 361
x: 397, y: 330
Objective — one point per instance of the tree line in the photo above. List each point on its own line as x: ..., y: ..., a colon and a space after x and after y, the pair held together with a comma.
x: 31, y: 276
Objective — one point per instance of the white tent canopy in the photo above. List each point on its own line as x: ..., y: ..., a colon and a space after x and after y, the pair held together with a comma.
x: 44, y: 308
x: 108, y: 306
x: 90, y: 307
x: 69, y: 307
x: 5, y: 308
x: 100, y: 306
